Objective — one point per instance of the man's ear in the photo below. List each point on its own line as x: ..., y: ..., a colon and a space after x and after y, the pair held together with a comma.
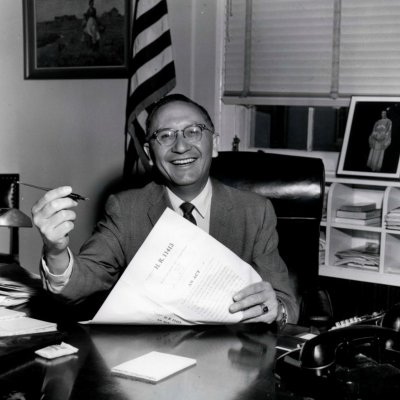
x: 215, y: 145
x: 146, y: 148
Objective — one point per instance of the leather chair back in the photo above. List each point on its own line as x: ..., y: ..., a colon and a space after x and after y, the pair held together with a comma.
x: 295, y: 185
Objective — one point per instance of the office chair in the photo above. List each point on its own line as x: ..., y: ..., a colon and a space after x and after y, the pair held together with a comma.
x: 295, y: 186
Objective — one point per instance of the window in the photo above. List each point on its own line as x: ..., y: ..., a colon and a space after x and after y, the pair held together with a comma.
x: 299, y: 128
x: 298, y: 62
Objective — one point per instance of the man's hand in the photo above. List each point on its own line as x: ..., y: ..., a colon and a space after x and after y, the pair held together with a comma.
x: 54, y: 219
x: 253, y: 299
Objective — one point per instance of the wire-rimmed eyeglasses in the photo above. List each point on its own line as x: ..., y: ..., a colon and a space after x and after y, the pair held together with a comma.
x: 192, y: 134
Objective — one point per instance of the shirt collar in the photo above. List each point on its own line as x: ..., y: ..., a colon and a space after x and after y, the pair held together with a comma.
x: 201, y: 202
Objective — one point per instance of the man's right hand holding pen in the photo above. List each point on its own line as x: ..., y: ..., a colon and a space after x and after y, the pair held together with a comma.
x: 53, y: 216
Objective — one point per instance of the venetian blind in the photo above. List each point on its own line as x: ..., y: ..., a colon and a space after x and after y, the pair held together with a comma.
x: 370, y: 47
x: 316, y: 48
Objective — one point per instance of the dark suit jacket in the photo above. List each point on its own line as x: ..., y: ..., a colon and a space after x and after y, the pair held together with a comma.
x: 242, y: 221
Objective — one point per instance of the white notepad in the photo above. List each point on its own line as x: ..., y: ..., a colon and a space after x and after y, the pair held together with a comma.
x: 153, y: 367
x: 6, y: 313
x: 25, y: 326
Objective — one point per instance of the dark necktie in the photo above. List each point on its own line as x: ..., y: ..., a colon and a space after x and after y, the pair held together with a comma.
x: 187, y: 209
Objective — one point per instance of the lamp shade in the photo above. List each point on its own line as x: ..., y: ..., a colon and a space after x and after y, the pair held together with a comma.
x: 14, y: 218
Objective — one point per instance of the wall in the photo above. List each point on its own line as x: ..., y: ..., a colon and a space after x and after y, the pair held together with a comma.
x: 71, y: 132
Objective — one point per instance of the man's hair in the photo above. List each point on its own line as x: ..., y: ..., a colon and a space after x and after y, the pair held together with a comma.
x: 173, y: 98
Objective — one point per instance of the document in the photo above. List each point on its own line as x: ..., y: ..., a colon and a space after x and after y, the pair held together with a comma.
x: 181, y: 276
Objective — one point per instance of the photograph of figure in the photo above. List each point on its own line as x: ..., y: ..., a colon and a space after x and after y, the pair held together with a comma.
x: 371, y: 147
x: 379, y: 141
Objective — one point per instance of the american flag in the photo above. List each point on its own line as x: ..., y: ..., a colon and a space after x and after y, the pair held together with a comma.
x: 152, y: 75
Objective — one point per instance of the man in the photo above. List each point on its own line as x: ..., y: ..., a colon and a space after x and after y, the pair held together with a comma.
x: 180, y: 144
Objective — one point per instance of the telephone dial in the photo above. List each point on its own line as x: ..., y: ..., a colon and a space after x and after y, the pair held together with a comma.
x: 356, y: 359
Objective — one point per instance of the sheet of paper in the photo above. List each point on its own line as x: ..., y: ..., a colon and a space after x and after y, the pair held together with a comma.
x: 180, y: 275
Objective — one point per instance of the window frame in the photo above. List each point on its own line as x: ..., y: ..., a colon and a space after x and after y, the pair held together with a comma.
x: 234, y: 117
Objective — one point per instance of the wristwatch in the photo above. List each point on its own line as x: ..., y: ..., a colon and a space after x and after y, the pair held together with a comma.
x: 282, y: 317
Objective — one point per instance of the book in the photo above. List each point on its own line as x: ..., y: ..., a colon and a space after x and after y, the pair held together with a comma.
x: 357, y: 207
x: 153, y: 367
x: 353, y: 221
x: 359, y: 214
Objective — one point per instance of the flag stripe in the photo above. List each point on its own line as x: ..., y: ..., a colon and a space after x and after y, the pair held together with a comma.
x: 144, y: 6
x: 144, y: 90
x: 149, y: 18
x: 150, y: 35
x: 151, y: 51
x: 154, y: 65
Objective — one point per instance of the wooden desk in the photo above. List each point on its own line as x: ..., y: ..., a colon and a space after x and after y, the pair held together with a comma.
x: 234, y: 362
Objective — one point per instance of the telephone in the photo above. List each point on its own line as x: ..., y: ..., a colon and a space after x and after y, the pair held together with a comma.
x: 360, y: 361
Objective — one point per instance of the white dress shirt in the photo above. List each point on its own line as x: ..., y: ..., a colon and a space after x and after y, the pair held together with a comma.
x: 202, y: 204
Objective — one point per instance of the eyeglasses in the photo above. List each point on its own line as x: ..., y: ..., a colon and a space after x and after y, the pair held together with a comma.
x: 192, y: 134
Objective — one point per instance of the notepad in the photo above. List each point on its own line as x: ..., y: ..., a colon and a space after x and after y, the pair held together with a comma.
x: 7, y: 313
x: 21, y: 325
x: 153, y: 367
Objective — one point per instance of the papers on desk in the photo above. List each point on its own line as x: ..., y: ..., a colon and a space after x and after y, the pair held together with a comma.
x: 13, y: 323
x: 180, y: 276
x: 17, y: 285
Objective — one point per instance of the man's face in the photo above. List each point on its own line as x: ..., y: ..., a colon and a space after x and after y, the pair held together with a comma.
x: 184, y: 166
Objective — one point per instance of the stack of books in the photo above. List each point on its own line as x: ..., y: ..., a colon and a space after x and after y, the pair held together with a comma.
x: 359, y: 214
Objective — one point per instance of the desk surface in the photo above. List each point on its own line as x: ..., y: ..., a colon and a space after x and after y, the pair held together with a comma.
x: 234, y: 362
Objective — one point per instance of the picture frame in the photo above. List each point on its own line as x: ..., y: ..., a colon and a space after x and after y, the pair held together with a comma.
x: 76, y: 39
x: 371, y: 144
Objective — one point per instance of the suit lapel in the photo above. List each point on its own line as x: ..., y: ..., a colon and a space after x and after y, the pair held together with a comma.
x: 221, y: 211
x: 159, y: 201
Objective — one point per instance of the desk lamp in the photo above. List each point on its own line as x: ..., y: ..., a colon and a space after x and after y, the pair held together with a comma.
x: 14, y: 218
x: 11, y: 216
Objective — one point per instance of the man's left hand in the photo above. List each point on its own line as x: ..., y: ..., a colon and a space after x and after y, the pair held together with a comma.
x: 258, y: 303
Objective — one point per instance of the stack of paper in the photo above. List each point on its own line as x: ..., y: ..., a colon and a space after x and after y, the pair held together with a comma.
x: 14, y: 323
x: 322, y: 247
x: 364, y: 257
x: 17, y: 285
x: 392, y: 219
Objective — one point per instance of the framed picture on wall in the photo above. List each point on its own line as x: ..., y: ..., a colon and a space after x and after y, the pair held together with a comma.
x: 76, y: 38
x: 371, y: 144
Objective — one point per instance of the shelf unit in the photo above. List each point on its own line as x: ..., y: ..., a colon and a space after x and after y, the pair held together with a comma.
x: 339, y: 236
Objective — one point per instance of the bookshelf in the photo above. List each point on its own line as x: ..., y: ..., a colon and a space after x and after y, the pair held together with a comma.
x: 338, y: 237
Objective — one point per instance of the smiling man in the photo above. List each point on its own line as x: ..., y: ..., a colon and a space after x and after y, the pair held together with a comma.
x: 180, y: 142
